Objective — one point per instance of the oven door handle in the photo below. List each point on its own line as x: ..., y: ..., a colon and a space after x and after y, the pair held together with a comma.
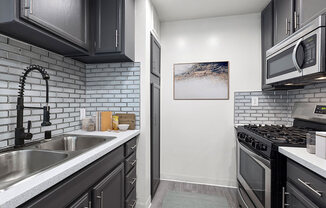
x: 260, y: 160
x: 298, y: 49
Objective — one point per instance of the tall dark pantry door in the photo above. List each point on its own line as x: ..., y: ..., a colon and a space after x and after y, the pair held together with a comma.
x: 155, y: 114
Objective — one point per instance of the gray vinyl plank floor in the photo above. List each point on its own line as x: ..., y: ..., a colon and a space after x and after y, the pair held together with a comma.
x: 229, y: 193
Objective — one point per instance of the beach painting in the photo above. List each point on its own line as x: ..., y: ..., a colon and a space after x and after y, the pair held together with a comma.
x: 201, y: 81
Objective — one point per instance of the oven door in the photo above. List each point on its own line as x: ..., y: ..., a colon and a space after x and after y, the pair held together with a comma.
x: 254, y: 174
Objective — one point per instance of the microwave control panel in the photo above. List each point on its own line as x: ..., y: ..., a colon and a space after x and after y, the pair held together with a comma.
x: 310, y: 48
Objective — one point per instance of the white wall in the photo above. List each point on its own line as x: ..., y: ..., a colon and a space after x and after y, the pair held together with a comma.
x: 146, y: 21
x: 198, y: 141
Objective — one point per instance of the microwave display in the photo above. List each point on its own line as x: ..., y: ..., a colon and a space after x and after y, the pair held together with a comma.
x: 309, y: 46
x: 320, y: 109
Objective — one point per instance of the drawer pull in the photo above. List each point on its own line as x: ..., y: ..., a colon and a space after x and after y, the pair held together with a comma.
x: 133, y: 181
x: 307, y: 185
x: 133, y: 163
x: 132, y: 205
x: 133, y: 147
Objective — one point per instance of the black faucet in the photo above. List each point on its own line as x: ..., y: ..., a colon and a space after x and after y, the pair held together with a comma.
x: 20, y: 135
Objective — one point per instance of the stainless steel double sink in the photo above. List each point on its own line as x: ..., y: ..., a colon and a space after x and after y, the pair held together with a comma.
x: 20, y: 164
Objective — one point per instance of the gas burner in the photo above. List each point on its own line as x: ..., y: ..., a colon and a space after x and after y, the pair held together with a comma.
x: 280, y: 133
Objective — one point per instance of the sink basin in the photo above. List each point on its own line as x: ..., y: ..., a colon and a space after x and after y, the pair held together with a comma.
x: 20, y: 164
x: 73, y: 143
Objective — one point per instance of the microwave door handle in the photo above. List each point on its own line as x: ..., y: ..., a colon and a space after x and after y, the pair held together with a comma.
x: 298, y: 47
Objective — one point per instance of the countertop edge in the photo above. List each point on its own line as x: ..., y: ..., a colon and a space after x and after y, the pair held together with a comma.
x: 36, y: 184
x: 310, y: 161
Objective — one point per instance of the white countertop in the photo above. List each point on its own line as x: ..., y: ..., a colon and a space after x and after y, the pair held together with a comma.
x: 301, y: 156
x: 34, y: 185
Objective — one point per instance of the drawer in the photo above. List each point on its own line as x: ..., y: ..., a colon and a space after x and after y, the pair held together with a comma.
x: 130, y: 162
x: 295, y: 199
x: 131, y: 199
x: 309, y: 183
x: 130, y: 181
x: 130, y: 146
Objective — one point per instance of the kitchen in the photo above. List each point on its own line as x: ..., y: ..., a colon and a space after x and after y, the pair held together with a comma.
x: 72, y: 70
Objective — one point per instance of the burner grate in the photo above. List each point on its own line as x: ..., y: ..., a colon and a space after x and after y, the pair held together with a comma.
x: 280, y: 133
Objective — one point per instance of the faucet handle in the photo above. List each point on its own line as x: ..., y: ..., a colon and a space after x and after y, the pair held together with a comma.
x: 29, y: 126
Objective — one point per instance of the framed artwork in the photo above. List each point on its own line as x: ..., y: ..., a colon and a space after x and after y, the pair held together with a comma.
x: 201, y: 81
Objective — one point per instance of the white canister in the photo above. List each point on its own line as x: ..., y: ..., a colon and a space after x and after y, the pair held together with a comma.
x: 321, y: 144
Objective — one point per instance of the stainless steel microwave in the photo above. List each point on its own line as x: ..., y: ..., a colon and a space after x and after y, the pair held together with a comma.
x: 300, y: 56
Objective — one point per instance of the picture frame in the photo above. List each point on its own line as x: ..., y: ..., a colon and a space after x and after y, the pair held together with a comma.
x: 201, y: 81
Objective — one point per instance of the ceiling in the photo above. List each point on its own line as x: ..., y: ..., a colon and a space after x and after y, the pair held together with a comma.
x: 171, y: 10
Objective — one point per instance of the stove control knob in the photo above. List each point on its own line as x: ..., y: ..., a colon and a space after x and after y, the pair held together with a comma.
x: 247, y: 139
x: 263, y: 147
x: 257, y: 146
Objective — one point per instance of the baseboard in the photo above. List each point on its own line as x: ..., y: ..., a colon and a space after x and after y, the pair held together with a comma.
x: 199, y: 183
x: 146, y: 204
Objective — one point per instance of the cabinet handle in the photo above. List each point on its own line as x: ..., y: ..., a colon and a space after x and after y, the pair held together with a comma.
x: 133, y: 181
x: 101, y: 198
x: 283, y: 197
x: 287, y: 28
x: 307, y: 185
x: 116, y: 38
x: 133, y: 147
x: 296, y: 20
x: 133, y: 163
x: 133, y: 205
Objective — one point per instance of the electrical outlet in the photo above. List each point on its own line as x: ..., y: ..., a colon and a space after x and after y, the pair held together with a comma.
x: 254, y: 101
x: 82, y: 113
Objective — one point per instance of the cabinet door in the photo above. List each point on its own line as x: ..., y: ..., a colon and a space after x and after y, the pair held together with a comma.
x: 82, y: 202
x: 155, y: 57
x: 66, y: 18
x: 282, y: 19
x: 108, y: 26
x: 155, y: 137
x: 110, y: 191
x: 307, y: 10
x: 296, y: 199
x: 266, y: 38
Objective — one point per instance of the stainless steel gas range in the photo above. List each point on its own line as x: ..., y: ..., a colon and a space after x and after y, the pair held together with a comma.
x: 261, y: 169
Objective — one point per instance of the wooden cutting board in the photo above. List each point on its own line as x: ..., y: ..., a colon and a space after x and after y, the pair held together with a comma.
x: 106, y: 120
x: 126, y: 118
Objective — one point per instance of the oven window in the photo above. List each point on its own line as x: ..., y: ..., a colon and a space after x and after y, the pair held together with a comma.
x: 253, y: 174
x: 280, y: 64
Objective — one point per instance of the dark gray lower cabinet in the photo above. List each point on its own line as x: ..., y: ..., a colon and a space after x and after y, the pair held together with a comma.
x: 304, y: 188
x: 296, y: 199
x: 110, y: 191
x: 82, y: 202
x: 100, y: 185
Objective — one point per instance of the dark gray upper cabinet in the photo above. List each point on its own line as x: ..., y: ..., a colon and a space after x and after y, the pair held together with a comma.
x: 155, y: 57
x: 110, y: 191
x: 283, y: 19
x: 266, y: 38
x: 60, y: 26
x: 307, y: 10
x: 108, y: 26
x: 66, y: 18
x: 113, y: 32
